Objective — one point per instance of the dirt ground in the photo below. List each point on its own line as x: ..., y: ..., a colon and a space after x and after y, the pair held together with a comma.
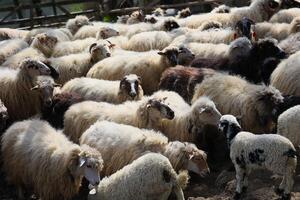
x: 261, y: 185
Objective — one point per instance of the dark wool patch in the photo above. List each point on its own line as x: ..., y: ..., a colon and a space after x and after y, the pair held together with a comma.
x: 241, y: 161
x: 291, y: 153
x: 166, y: 176
x: 256, y: 157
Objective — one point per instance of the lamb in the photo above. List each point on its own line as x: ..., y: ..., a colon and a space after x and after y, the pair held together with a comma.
x: 77, y: 65
x: 288, y: 125
x: 291, y: 44
x: 61, y: 102
x: 16, y: 85
x: 258, y: 11
x: 285, y: 76
x: 115, y: 92
x: 248, y: 151
x: 285, y: 16
x: 278, y: 31
x: 41, y: 47
x: 146, y: 113
x: 183, y: 80
x: 152, y: 173
x: 106, y: 136
x: 11, y: 47
x: 76, y: 23
x: 95, y: 31
x: 149, y: 66
x: 3, y: 117
x: 236, y: 96
x: 38, y: 157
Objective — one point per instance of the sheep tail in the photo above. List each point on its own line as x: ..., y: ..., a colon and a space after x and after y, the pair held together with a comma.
x: 183, y: 179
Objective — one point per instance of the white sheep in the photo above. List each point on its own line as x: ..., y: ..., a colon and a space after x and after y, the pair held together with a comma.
x: 116, y: 92
x: 285, y: 16
x: 95, y: 32
x: 234, y: 95
x: 61, y: 34
x: 10, y: 33
x: 38, y: 157
x: 149, y: 66
x: 15, y: 89
x: 278, y: 31
x: 146, y: 113
x: 288, y: 125
x: 72, y: 47
x: 76, y: 23
x: 258, y: 11
x: 41, y: 47
x: 286, y: 76
x: 112, y: 140
x: 248, y: 151
x: 291, y: 44
x: 148, y: 177
x: 221, y: 9
x: 11, y: 47
x: 77, y: 65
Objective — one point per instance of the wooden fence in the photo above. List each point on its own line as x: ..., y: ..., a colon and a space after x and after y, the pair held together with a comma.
x: 59, y: 18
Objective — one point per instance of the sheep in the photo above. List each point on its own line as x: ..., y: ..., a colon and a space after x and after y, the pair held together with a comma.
x: 149, y: 66
x: 146, y: 113
x: 16, y: 86
x: 72, y: 47
x: 285, y: 16
x: 285, y: 76
x: 148, y: 177
x: 61, y: 102
x: 236, y: 96
x: 278, y: 31
x: 95, y: 31
x: 150, y: 19
x: 136, y: 17
x: 61, y: 34
x: 183, y: 80
x: 258, y: 11
x: 38, y: 157
x: 288, y: 125
x: 250, y: 64
x: 115, y: 92
x: 105, y: 136
x: 11, y: 47
x: 184, y: 13
x: 158, y: 12
x: 269, y: 151
x: 77, y: 65
x: 3, y: 117
x: 76, y: 23
x: 291, y: 44
x: 41, y: 47
x: 9, y: 33
x: 221, y: 9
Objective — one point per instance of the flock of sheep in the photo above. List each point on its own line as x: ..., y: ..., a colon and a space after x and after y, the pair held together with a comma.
x: 145, y: 100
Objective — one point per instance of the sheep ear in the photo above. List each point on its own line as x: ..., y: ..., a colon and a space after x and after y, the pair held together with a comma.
x: 139, y: 78
x: 35, y: 87
x: 92, y: 46
x: 202, y: 110
x: 161, y: 53
x: 254, y: 35
x: 234, y: 36
x: 81, y: 161
x: 191, y: 156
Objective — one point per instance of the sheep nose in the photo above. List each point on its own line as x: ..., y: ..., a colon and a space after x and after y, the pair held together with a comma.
x: 108, y: 54
x: 48, y: 102
x: 171, y: 114
x: 132, y: 94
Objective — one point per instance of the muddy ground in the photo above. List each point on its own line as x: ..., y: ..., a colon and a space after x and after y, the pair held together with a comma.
x: 261, y: 185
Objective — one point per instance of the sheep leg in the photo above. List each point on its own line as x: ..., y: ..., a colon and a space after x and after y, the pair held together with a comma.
x: 245, y: 180
x: 289, y: 182
x: 239, y: 182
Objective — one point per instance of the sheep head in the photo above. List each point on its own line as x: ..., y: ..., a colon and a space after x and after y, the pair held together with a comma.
x: 150, y: 19
x: 185, y: 57
x: 204, y: 112
x: 45, y: 85
x: 81, y: 20
x: 230, y: 127
x: 100, y: 51
x: 34, y: 67
x: 106, y: 32
x: 130, y: 87
x: 138, y: 14
x: 184, y: 13
x: 3, y: 116
x: 244, y: 28
x: 86, y: 162
x: 267, y: 47
x: 170, y: 25
x: 45, y: 43
x: 157, y: 110
x: 170, y: 55
x: 295, y: 25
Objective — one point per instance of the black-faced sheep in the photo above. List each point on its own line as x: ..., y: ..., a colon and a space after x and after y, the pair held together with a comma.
x: 184, y: 13
x: 11, y: 47
x: 149, y: 66
x: 76, y: 23
x: 146, y: 113
x: 15, y: 89
x: 285, y: 16
x: 41, y: 47
x: 150, y: 176
x: 286, y: 76
x: 236, y: 96
x: 249, y: 151
x: 61, y: 102
x: 183, y: 80
x: 77, y: 65
x: 249, y: 64
x: 116, y: 92
x: 39, y: 158
x: 106, y: 136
